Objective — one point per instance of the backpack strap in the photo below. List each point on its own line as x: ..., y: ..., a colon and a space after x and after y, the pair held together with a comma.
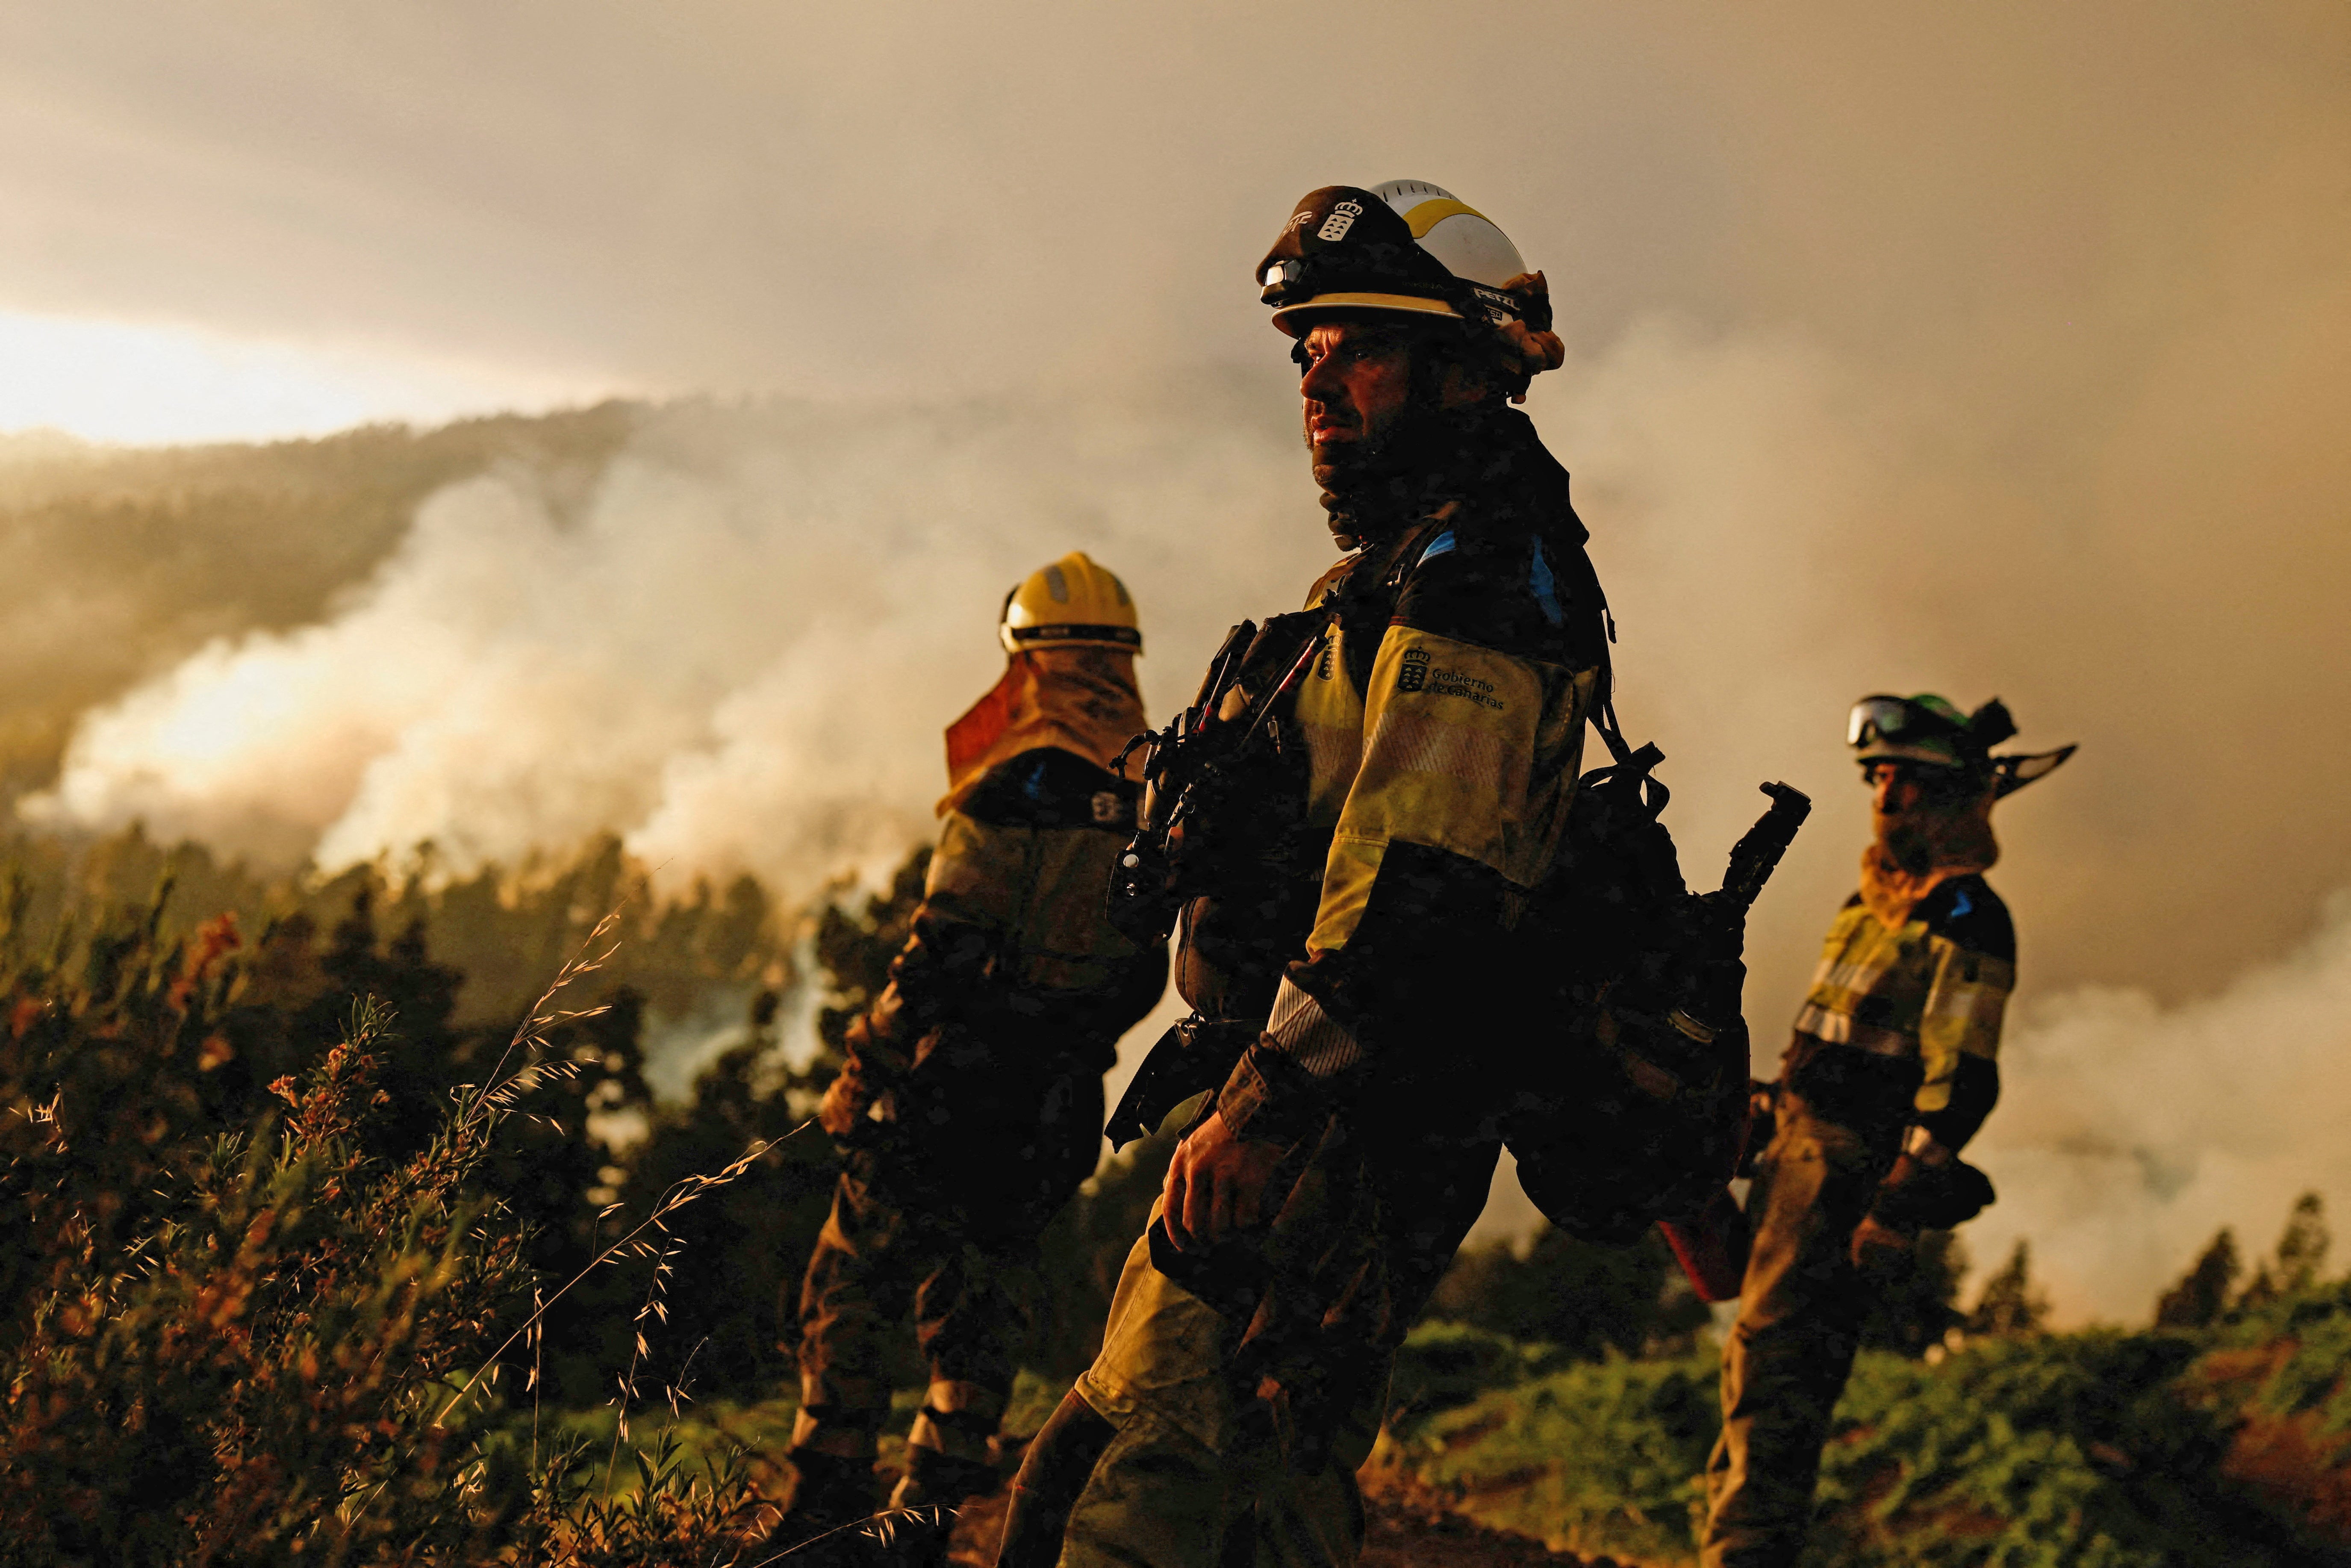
x: 1585, y: 585
x: 1628, y: 760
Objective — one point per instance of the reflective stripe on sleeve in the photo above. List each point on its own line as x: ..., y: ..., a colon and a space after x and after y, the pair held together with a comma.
x: 1417, y: 744
x: 1840, y: 1029
x: 1314, y: 1040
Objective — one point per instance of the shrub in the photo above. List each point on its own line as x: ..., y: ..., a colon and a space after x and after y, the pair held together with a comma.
x: 746, y: 1247
x: 1600, y: 1457
x: 2097, y: 1449
x: 2040, y: 1451
x: 2282, y: 1373
x: 251, y: 1368
x: 1584, y: 1298
x: 274, y: 1342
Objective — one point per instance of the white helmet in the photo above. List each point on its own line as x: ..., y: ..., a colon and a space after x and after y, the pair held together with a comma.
x: 1402, y: 246
x: 1410, y: 249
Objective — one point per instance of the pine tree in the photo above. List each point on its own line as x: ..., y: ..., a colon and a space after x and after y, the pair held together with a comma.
x: 2202, y: 1294
x: 2010, y: 1304
x: 2301, y: 1250
x: 2301, y: 1255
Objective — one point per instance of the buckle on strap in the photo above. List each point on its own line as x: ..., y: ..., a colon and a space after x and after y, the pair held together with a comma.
x: 1199, y: 1033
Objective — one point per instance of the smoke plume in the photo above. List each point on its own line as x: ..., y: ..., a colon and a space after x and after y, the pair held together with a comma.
x: 741, y: 647
x: 738, y: 651
x: 2131, y: 1132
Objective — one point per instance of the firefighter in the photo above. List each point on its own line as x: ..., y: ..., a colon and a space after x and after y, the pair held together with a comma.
x: 1350, y: 959
x: 970, y: 1108
x: 1892, y: 1067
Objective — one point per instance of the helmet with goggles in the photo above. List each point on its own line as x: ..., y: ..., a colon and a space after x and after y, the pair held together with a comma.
x: 1930, y: 731
x: 1409, y: 249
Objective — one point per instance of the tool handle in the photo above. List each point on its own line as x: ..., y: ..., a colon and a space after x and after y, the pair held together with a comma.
x: 1756, y: 854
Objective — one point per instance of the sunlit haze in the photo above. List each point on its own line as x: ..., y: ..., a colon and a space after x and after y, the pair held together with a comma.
x: 147, y: 384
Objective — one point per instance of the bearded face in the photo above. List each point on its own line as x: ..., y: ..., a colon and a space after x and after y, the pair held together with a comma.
x: 1356, y: 386
x: 1929, y: 817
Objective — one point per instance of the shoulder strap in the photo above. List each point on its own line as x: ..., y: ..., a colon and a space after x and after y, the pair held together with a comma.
x: 1363, y: 598
x: 1586, y: 583
x: 1603, y: 719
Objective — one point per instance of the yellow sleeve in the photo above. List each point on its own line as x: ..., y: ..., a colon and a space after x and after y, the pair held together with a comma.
x: 1967, y: 1002
x: 1468, y: 751
x: 976, y: 873
x: 969, y: 900
x: 1012, y: 932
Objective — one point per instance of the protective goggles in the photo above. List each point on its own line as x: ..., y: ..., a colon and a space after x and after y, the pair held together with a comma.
x: 1896, y: 721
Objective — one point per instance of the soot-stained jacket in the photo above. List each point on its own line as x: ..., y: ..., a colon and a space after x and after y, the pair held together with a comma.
x: 1010, y: 942
x: 1933, y: 992
x: 1443, y: 724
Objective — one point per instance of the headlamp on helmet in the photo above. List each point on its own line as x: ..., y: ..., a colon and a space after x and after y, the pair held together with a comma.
x: 1403, y: 246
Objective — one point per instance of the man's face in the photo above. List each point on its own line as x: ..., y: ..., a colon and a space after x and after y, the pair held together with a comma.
x: 1904, y: 788
x: 1357, y: 382
x: 1895, y: 788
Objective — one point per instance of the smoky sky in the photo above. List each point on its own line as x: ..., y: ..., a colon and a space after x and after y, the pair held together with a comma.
x: 1995, y: 350
x: 895, y: 196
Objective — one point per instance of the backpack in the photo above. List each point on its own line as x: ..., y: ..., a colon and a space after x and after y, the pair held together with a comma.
x: 1637, y: 1114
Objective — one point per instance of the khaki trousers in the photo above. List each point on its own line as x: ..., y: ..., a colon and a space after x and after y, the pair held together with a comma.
x: 1786, y: 1359
x: 1194, y: 1478
x: 947, y: 1224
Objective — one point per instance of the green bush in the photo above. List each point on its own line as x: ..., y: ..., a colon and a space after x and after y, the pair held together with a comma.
x: 1597, y: 1456
x: 2067, y: 1450
x: 2097, y: 1449
x: 243, y: 1354
x: 278, y: 1341
x: 1584, y: 1298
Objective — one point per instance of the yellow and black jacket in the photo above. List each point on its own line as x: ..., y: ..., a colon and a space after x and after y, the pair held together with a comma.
x: 1925, y: 999
x: 1010, y: 948
x: 1442, y: 730
x: 1010, y: 943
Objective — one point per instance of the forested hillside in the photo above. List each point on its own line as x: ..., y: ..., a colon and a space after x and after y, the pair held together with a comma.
x: 121, y: 561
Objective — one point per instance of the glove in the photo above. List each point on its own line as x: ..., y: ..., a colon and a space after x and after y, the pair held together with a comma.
x: 847, y: 1104
x: 846, y: 1109
x: 1916, y: 1195
x: 1927, y: 1189
x: 1879, y: 1250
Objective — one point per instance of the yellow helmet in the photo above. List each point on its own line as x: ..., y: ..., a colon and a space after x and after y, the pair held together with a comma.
x: 1072, y: 603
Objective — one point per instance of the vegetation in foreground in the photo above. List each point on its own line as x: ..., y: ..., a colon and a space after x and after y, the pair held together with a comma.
x: 281, y: 1336
x: 2220, y: 1438
x: 306, y: 1265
